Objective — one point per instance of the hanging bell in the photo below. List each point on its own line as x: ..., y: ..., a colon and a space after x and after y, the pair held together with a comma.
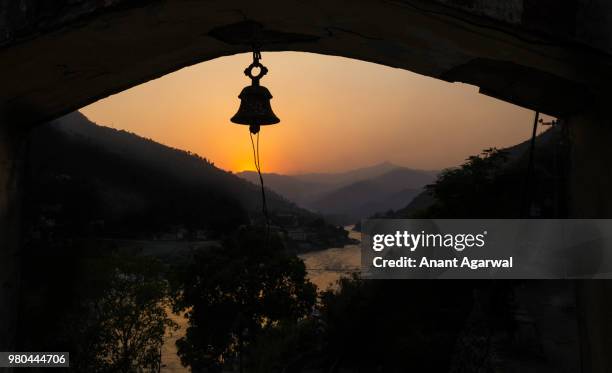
x: 255, y: 109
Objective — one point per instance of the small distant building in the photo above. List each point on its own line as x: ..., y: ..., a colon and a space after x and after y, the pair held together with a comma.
x: 297, y: 235
x: 35, y: 234
x: 167, y: 236
x: 99, y: 223
x: 201, y: 235
x: 287, y: 220
x: 181, y: 233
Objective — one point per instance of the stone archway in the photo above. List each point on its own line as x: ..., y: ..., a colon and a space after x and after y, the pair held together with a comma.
x: 60, y: 56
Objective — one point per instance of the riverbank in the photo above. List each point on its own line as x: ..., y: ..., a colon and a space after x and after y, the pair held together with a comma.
x: 326, y: 267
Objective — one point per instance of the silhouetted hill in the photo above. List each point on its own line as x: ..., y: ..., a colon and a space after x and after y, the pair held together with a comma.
x: 548, y: 156
x: 93, y: 178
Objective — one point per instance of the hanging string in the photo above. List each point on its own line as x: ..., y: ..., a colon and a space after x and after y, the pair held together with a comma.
x: 264, y: 206
x: 256, y: 54
x: 528, y: 188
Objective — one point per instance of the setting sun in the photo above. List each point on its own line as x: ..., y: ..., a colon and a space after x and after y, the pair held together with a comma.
x: 244, y: 165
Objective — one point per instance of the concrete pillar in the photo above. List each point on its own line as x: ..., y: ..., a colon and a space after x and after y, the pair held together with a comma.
x: 590, y: 194
x: 12, y: 152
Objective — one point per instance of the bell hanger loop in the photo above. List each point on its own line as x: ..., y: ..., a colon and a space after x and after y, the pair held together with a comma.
x: 256, y: 64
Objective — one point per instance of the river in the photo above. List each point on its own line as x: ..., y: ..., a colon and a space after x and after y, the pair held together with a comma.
x: 325, y: 267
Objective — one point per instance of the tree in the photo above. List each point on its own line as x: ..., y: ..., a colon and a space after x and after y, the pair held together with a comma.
x: 234, y: 292
x: 391, y: 325
x: 124, y: 327
x: 482, y: 187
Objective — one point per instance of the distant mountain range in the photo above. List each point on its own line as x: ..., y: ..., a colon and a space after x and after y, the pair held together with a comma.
x: 346, y: 197
x: 135, y: 185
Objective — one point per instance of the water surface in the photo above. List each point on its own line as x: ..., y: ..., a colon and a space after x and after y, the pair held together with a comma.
x: 325, y: 267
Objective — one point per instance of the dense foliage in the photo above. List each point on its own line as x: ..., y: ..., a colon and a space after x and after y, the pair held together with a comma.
x: 234, y: 293
x: 76, y: 185
x: 109, y: 311
x: 497, y: 184
x: 481, y: 187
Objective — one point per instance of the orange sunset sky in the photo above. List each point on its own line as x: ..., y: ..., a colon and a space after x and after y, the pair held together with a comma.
x: 336, y: 114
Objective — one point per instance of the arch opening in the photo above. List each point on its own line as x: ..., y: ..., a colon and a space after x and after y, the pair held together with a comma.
x: 359, y: 113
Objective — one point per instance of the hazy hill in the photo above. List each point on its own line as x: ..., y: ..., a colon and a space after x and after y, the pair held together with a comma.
x: 290, y: 187
x: 347, y: 177
x: 348, y: 196
x: 84, y: 176
x: 361, y: 199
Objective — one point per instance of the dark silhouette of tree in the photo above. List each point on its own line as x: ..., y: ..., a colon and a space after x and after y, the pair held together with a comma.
x: 125, y: 326
x: 108, y: 310
x: 234, y: 292
x: 393, y: 326
x: 482, y: 187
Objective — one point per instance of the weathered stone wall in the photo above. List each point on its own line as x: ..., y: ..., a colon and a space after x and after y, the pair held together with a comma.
x: 21, y: 19
x: 585, y: 21
x: 580, y: 21
x: 594, y: 24
x: 510, y: 11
